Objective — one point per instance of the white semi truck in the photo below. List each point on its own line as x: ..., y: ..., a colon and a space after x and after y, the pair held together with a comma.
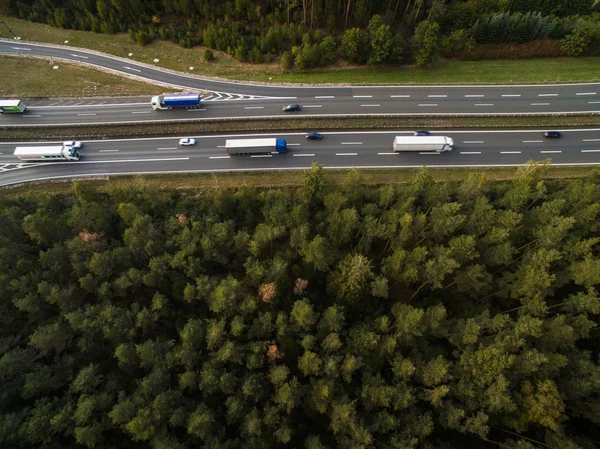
x: 256, y: 146
x: 54, y: 153
x: 438, y: 144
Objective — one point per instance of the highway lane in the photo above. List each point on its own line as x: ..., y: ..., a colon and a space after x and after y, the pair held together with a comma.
x: 337, y: 149
x: 223, y: 97
x: 375, y: 104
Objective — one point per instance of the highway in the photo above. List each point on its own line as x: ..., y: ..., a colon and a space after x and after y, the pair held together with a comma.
x: 336, y: 150
x: 225, y: 99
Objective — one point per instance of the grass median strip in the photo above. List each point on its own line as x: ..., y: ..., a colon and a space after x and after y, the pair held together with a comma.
x: 37, y: 78
x: 291, y: 125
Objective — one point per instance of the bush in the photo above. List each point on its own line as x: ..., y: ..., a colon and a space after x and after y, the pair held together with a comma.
x: 208, y: 55
x: 426, y: 42
x: 287, y: 61
x: 328, y: 51
x: 355, y: 45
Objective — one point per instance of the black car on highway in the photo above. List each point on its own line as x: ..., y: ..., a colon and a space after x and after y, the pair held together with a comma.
x: 552, y: 134
x: 314, y: 136
x: 292, y: 107
x: 422, y: 133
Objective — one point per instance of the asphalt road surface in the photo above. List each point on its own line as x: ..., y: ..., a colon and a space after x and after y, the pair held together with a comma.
x: 336, y: 150
x: 234, y: 99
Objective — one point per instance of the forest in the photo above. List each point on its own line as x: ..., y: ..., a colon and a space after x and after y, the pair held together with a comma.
x: 301, y: 34
x: 420, y: 315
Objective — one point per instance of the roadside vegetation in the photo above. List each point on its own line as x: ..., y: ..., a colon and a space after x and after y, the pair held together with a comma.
x: 224, y: 65
x: 31, y: 77
x: 461, y: 315
x: 291, y: 125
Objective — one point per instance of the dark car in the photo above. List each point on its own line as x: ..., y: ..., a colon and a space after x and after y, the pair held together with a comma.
x: 314, y: 136
x: 292, y: 108
x: 422, y: 133
x: 552, y: 134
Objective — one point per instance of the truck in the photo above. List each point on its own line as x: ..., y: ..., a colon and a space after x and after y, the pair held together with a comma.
x: 12, y: 106
x: 256, y: 146
x: 438, y: 144
x: 53, y: 153
x: 180, y: 101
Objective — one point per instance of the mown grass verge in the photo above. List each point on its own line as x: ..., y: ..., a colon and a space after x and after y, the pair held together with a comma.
x: 197, y: 183
x: 31, y: 77
x: 171, y: 56
x: 291, y: 124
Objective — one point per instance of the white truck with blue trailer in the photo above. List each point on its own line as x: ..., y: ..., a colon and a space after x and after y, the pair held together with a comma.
x: 175, y: 101
x: 256, y: 146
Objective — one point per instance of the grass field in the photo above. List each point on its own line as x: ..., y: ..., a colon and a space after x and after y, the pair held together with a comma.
x: 32, y: 77
x: 174, y: 57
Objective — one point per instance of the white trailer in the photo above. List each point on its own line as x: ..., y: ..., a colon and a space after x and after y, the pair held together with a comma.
x: 256, y: 146
x: 422, y: 143
x: 54, y: 153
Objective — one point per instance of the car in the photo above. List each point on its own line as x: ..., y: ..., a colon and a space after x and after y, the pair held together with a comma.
x: 552, y: 134
x: 187, y: 141
x: 292, y: 107
x: 314, y: 136
x: 422, y: 133
x: 72, y: 144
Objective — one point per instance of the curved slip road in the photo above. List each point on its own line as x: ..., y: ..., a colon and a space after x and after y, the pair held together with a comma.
x: 236, y: 99
x: 336, y: 150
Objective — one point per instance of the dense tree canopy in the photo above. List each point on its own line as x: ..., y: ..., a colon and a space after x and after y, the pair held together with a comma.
x: 418, y: 315
x: 309, y: 33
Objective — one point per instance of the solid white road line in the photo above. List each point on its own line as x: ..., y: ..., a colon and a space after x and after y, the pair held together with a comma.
x: 91, y: 113
x: 107, y: 151
x: 304, y: 154
x: 590, y: 151
x: 593, y: 102
x: 516, y: 95
x: 293, y: 144
x: 473, y: 141
x: 470, y: 152
x: 510, y: 152
x: 254, y: 107
x: 346, y: 154
x: 130, y: 68
x: 539, y: 104
x: 141, y: 112
x: 352, y: 143
x: 312, y: 106
x: 219, y: 157
x: 325, y: 96
x: 427, y: 104
x: 399, y: 96
x: 167, y: 148
x: 32, y: 115
x: 484, y: 104
x: 370, y: 105
x: 437, y: 96
x: 362, y: 96
x: 548, y: 151
x: 532, y: 141
x: 591, y: 140
x: 473, y: 96
x: 547, y: 95
x: 195, y: 110
x: 586, y: 93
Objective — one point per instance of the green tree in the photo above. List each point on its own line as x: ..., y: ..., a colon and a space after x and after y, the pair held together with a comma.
x: 426, y: 42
